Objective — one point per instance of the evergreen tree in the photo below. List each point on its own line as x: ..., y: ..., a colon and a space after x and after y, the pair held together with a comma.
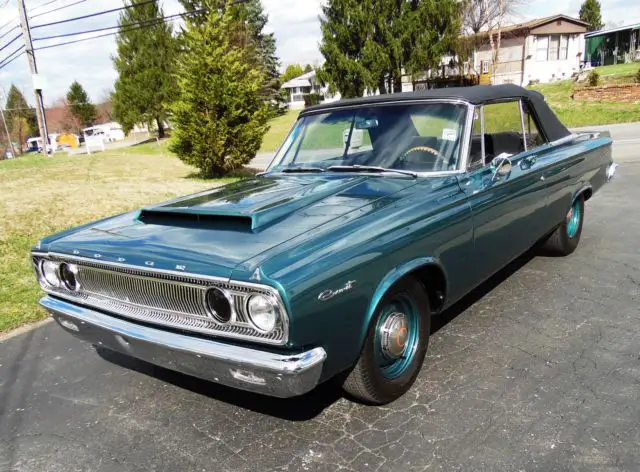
x: 308, y: 68
x: 369, y: 44
x: 21, y: 118
x: 145, y: 63
x: 251, y: 12
x: 590, y: 13
x: 219, y: 115
x: 345, y: 25
x: 80, y: 106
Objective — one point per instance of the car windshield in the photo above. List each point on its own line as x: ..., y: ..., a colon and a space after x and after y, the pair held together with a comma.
x: 423, y: 137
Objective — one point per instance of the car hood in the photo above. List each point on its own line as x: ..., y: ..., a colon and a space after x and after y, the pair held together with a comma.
x: 212, y: 232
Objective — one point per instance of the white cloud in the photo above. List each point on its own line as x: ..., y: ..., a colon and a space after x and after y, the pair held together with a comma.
x: 294, y: 22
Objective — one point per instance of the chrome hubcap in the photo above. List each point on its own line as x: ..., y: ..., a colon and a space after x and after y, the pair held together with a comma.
x: 394, y: 334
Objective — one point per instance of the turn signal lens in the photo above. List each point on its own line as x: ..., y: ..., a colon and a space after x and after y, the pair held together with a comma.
x: 263, y: 312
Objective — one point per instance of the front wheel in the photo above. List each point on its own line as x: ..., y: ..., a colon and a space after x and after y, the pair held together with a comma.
x: 564, y: 240
x: 395, y: 346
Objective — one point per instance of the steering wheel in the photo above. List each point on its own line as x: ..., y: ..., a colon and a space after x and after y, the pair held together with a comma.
x: 426, y: 149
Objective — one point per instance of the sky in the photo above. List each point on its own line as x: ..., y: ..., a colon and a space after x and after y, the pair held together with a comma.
x: 294, y: 22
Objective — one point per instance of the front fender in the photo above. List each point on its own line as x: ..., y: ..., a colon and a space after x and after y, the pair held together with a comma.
x: 392, y: 277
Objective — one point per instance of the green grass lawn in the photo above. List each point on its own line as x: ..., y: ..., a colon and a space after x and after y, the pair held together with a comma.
x: 278, y: 130
x: 42, y: 195
x: 619, y: 69
x: 579, y: 113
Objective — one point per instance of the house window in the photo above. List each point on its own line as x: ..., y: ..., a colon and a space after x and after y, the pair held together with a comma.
x: 552, y: 48
x: 484, y: 66
x: 542, y: 48
x: 564, y: 47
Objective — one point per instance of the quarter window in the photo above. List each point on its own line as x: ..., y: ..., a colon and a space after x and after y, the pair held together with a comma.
x: 533, y: 135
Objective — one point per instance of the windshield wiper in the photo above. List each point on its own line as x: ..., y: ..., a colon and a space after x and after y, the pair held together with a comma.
x: 356, y: 168
x: 291, y: 170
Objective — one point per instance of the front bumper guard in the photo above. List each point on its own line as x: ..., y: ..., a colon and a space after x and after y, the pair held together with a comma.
x: 278, y: 375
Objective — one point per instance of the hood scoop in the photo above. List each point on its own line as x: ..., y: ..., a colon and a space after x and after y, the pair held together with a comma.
x: 193, y: 218
x: 248, y: 213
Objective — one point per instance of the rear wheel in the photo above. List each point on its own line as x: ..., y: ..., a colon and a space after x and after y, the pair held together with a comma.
x: 564, y: 240
x: 395, y: 346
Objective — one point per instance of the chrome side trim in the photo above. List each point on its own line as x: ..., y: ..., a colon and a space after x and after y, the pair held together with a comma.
x: 279, y: 375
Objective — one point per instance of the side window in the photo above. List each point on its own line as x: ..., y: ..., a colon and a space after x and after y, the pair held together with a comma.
x: 502, y: 129
x: 533, y: 135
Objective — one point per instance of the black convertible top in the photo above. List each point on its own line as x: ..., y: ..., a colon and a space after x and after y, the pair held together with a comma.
x: 476, y: 95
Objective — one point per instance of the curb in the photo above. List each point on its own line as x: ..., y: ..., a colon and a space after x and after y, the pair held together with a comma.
x: 24, y: 329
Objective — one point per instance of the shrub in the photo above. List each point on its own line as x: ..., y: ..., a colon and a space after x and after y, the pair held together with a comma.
x: 219, y: 114
x: 311, y: 99
x: 593, y: 79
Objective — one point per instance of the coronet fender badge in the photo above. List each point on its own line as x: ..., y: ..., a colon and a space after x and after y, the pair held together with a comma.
x: 330, y: 293
x: 121, y: 259
x: 181, y: 267
x: 149, y: 263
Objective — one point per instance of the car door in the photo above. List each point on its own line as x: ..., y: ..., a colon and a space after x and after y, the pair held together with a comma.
x: 505, y: 205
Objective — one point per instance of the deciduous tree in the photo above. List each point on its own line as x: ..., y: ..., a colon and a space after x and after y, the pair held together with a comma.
x: 145, y: 62
x: 219, y: 115
x: 291, y: 72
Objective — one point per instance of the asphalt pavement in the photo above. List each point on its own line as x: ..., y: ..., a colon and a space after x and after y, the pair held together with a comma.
x: 537, y: 370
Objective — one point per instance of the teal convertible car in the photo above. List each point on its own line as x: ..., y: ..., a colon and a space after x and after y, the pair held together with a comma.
x: 375, y: 215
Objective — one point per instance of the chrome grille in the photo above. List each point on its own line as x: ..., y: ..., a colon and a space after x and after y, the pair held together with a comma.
x: 166, y: 298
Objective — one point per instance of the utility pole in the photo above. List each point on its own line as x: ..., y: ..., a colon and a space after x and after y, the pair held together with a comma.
x: 26, y: 34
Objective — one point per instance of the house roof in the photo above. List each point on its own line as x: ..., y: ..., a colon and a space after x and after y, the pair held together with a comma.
x: 612, y: 30
x: 300, y: 81
x: 477, y: 95
x: 529, y: 25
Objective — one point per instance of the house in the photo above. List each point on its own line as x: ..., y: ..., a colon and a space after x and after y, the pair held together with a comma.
x: 541, y: 50
x: 613, y: 46
x: 305, y: 84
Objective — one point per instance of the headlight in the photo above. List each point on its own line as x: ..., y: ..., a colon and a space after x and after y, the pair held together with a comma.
x: 218, y: 305
x: 68, y: 273
x: 263, y: 312
x: 49, y: 272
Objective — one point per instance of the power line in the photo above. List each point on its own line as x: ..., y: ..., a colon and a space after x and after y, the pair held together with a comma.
x: 9, y: 31
x: 126, y: 7
x: 57, y: 9
x: 43, y: 5
x: 96, y: 37
x: 8, y: 23
x: 11, y: 42
x: 5, y: 64
x: 8, y: 60
x: 151, y: 22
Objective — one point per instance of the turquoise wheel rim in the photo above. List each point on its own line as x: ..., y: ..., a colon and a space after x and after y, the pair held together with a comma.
x: 397, y: 336
x: 573, y: 220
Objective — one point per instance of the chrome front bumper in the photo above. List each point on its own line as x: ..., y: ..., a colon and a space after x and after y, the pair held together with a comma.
x: 278, y: 375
